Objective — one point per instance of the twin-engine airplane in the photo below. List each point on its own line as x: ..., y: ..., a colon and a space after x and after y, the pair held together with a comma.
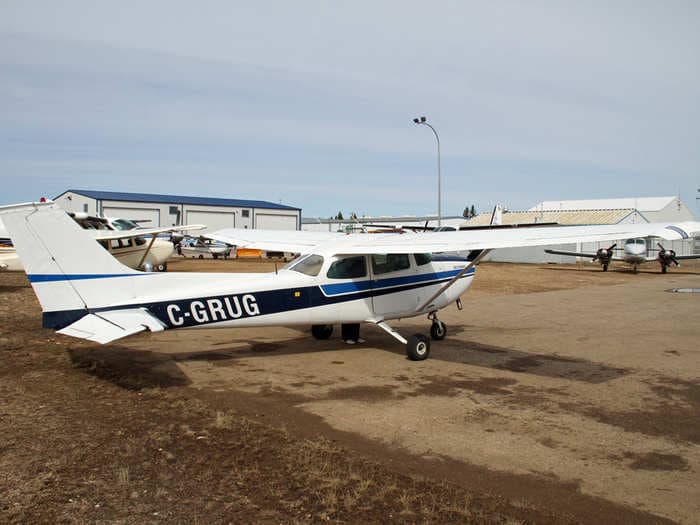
x: 634, y: 254
x: 85, y: 292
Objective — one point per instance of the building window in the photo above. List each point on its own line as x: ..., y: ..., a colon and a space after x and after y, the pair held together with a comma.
x: 245, y: 213
x: 85, y: 208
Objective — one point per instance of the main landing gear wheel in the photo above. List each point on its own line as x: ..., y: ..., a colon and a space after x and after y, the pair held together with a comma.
x: 322, y: 331
x: 418, y: 347
x: 438, y: 330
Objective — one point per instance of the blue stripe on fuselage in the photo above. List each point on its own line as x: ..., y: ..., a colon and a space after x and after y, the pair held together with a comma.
x: 52, y: 277
x: 377, y: 284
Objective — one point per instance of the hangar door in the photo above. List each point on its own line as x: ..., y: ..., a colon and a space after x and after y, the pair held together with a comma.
x: 150, y: 215
x: 265, y: 221
x: 214, y: 220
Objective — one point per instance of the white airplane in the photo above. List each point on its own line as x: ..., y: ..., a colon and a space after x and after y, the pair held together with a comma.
x: 634, y: 254
x: 338, y: 279
x: 128, y: 242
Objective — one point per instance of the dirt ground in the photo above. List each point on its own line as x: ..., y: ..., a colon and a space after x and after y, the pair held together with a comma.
x: 561, y: 394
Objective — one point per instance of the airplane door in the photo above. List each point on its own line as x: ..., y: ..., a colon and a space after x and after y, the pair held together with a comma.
x: 394, y: 277
x: 348, y: 287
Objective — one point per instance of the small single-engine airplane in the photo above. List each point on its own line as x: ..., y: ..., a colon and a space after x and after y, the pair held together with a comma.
x: 634, y: 254
x: 130, y: 243
x: 339, y: 279
x: 124, y: 239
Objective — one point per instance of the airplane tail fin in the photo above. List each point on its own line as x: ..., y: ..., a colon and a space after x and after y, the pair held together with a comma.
x: 65, y: 266
x: 496, y: 216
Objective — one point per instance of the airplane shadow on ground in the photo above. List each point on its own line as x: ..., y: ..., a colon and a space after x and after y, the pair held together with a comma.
x: 473, y: 353
x: 135, y: 369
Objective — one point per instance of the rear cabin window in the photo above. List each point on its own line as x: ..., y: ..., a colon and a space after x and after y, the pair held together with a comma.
x: 422, y: 258
x: 392, y: 262
x: 348, y: 268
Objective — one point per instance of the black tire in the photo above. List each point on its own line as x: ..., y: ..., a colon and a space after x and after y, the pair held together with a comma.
x: 162, y: 267
x: 605, y: 267
x: 322, y: 331
x: 663, y: 268
x: 215, y: 255
x: 438, y: 331
x: 418, y: 347
x: 201, y: 256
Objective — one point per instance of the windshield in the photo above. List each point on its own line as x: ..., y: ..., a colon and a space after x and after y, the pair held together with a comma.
x: 124, y: 224
x: 309, y: 265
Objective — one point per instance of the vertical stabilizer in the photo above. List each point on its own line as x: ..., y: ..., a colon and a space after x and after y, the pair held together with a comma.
x: 497, y: 216
x: 62, y: 261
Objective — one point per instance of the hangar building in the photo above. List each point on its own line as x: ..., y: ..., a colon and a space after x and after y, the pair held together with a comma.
x: 172, y: 210
x: 588, y: 212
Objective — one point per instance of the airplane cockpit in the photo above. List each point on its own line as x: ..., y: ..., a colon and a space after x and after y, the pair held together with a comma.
x: 355, y: 267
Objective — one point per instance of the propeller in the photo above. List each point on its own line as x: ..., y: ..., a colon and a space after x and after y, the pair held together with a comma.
x: 604, y: 254
x: 666, y: 257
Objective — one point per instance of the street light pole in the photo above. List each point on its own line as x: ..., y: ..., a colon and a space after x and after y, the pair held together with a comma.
x: 422, y: 121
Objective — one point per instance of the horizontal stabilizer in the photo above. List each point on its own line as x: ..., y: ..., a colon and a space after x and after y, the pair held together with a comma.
x: 104, y: 327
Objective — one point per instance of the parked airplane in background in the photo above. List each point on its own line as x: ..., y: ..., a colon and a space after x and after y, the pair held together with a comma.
x: 129, y: 243
x: 86, y: 293
x: 124, y: 239
x: 203, y: 248
x: 634, y: 254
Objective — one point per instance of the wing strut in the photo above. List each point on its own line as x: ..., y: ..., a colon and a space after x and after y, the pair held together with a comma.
x: 388, y: 329
x: 454, y: 279
x: 145, y: 254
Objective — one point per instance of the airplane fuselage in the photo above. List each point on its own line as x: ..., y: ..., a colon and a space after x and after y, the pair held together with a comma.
x: 287, y: 297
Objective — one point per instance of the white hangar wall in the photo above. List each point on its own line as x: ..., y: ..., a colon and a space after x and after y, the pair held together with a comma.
x: 172, y: 210
x: 597, y: 211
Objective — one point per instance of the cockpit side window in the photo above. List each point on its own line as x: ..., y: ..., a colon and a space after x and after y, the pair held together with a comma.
x: 422, y: 258
x: 391, y: 262
x: 309, y: 265
x: 348, y: 268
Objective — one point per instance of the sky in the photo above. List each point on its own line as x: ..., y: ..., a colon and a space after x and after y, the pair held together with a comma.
x: 310, y: 103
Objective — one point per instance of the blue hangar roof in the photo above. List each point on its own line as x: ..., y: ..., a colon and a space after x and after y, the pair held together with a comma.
x: 177, y: 199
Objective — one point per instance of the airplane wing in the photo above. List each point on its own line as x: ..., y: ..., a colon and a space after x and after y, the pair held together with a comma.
x: 677, y: 257
x: 103, y: 327
x: 335, y: 244
x: 108, y: 235
x: 571, y: 254
x: 586, y: 255
x: 294, y: 241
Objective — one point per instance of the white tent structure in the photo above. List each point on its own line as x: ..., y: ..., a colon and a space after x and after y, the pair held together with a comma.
x: 593, y: 211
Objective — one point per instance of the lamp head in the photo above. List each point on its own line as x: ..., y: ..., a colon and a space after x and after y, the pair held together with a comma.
x: 418, y: 122
x: 422, y: 119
